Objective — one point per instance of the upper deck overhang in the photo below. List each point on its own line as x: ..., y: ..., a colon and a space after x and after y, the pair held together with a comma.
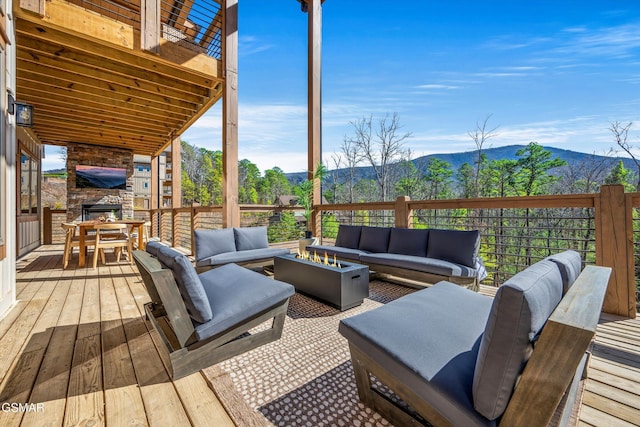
x: 90, y: 82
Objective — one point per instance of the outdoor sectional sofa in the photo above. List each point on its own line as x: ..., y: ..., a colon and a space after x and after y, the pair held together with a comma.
x: 424, y: 255
x: 456, y: 356
x: 246, y: 246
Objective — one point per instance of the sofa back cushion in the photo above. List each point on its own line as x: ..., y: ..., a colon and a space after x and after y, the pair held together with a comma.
x: 348, y: 236
x: 213, y: 242
x: 248, y: 238
x: 570, y: 265
x: 408, y: 241
x: 374, y: 239
x: 520, y: 309
x: 153, y: 247
x: 457, y: 246
x: 193, y: 294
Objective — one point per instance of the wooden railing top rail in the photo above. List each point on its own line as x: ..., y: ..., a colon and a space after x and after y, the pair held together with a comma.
x: 555, y: 201
x: 366, y: 206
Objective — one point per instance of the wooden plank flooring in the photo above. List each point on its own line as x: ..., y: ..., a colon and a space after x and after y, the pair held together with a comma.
x: 77, y: 342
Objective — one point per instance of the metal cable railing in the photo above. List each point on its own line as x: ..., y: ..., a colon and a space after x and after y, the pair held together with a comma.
x: 194, y: 24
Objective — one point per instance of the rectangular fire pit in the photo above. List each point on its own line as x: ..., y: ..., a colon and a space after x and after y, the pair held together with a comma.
x: 343, y: 288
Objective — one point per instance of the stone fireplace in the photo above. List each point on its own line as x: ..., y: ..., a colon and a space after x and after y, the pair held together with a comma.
x: 80, y: 198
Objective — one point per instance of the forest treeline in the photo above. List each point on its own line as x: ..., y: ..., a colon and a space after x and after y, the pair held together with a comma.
x: 381, y: 146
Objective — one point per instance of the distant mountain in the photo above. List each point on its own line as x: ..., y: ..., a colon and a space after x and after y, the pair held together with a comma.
x: 458, y: 159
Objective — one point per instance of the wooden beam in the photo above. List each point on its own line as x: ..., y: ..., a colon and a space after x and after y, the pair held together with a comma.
x: 314, y: 88
x: 79, y: 86
x: 155, y: 183
x: 44, y: 64
x: 69, y: 43
x: 176, y: 174
x: 231, y: 208
x: 39, y: 47
x: 35, y: 6
x: 150, y: 25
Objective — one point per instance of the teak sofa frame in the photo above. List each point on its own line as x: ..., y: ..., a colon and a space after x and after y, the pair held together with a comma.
x: 174, y: 334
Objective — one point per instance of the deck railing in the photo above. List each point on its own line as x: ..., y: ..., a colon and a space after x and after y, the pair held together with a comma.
x: 515, y: 231
x: 194, y: 24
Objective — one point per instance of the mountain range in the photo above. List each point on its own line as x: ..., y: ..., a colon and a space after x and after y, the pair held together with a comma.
x: 458, y: 159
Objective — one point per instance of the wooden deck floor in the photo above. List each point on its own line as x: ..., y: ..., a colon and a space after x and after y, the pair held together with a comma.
x: 77, y: 343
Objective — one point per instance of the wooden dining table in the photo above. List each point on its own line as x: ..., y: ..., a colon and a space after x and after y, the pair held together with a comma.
x: 86, y: 226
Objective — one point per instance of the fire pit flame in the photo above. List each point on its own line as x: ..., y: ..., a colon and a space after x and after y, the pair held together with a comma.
x: 306, y: 255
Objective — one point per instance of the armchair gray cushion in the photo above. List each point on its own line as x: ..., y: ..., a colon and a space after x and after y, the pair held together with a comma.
x: 460, y: 247
x: 408, y: 241
x: 348, y: 236
x: 570, y: 265
x: 374, y: 239
x: 213, y: 242
x: 428, y: 340
x: 520, y: 309
x: 236, y: 294
x: 251, y: 238
x: 188, y: 282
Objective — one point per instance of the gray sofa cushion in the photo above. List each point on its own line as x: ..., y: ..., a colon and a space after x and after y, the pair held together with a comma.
x: 213, y: 242
x: 242, y: 256
x: 570, y: 265
x: 428, y: 340
x: 520, y: 309
x: 236, y: 294
x: 408, y: 241
x: 348, y: 236
x: 456, y: 246
x: 374, y: 239
x: 426, y: 265
x: 188, y: 282
x: 251, y: 238
x: 153, y: 247
x: 338, y: 251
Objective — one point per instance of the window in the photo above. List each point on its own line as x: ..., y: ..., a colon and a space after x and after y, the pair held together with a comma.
x: 28, y: 184
x: 146, y: 185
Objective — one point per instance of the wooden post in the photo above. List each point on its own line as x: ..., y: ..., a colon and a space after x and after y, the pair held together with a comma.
x: 403, y: 214
x: 230, y: 206
x: 47, y: 226
x: 314, y: 89
x: 614, y: 249
x: 35, y: 6
x: 176, y: 174
x: 150, y: 25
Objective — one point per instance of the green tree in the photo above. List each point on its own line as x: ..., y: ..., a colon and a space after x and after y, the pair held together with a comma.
x: 438, y: 175
x: 189, y: 194
x: 466, y: 180
x: 273, y: 185
x: 248, y: 179
x: 620, y: 175
x: 534, y: 164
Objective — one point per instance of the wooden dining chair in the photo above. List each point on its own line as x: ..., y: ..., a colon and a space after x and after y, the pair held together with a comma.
x: 105, y: 239
x: 72, y: 241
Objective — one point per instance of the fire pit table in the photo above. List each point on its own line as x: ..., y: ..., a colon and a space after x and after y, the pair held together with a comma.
x: 342, y: 286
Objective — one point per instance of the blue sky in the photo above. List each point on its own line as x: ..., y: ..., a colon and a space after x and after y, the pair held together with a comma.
x: 555, y: 72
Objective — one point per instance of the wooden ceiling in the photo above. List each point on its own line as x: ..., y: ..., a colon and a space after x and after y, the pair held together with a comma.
x: 89, y: 83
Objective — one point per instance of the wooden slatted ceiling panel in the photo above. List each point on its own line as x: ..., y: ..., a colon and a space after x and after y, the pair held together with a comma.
x: 87, y: 91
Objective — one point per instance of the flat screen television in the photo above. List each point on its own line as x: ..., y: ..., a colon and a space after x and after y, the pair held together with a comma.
x: 101, y: 177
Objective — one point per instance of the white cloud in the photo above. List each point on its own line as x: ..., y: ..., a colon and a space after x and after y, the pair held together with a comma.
x: 437, y: 86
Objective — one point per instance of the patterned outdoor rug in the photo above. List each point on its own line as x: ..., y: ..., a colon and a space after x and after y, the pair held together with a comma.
x: 305, y: 378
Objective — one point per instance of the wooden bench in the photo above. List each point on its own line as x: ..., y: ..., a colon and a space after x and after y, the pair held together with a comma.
x: 553, y: 371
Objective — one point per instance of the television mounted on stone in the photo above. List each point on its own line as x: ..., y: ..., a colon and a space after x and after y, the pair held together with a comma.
x: 101, y: 177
